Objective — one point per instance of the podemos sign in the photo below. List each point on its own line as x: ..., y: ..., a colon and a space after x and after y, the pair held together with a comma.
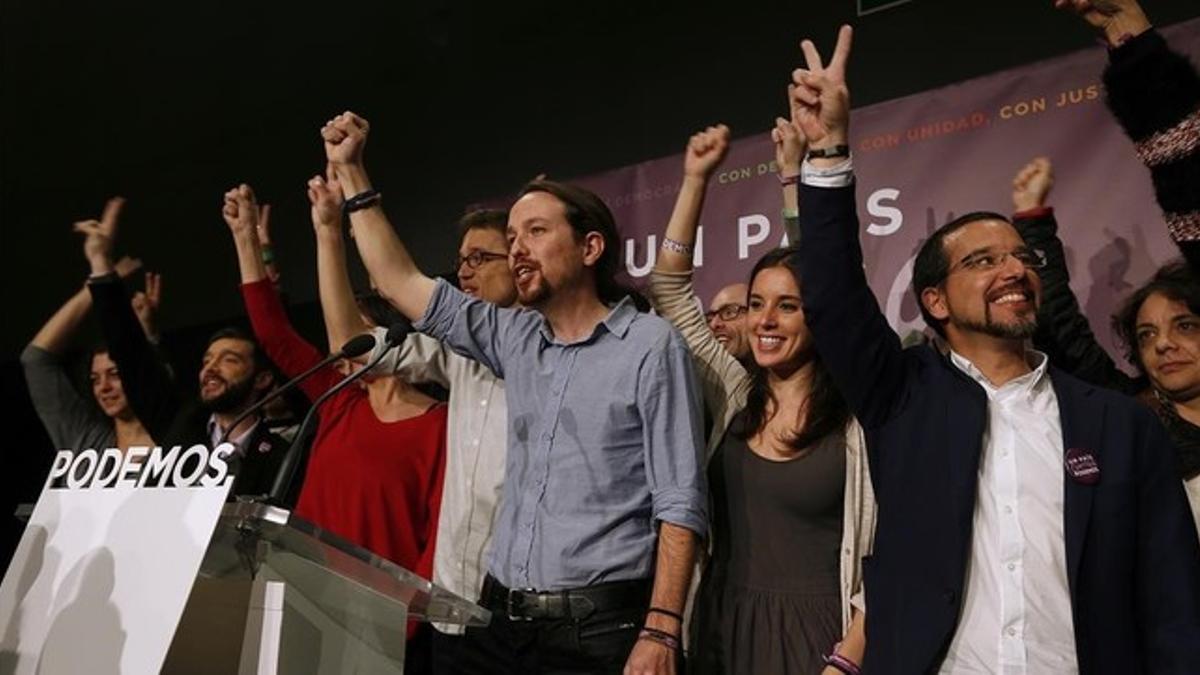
x: 102, y: 573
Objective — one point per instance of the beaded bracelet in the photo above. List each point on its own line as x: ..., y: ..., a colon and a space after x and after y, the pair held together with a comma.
x: 660, y: 636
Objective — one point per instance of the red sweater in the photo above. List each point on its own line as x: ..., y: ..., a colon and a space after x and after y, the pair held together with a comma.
x: 377, y: 484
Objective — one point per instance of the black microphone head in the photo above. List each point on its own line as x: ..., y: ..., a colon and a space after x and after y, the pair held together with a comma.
x: 358, y: 345
x: 397, y: 332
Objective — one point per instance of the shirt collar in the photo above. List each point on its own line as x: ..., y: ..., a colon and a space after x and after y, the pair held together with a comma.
x: 1023, y: 384
x: 240, y: 441
x: 617, y: 322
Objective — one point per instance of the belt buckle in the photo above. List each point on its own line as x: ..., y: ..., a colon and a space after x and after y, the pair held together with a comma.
x: 508, y: 603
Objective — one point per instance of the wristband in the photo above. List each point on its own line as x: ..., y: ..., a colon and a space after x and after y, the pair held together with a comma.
x: 661, y: 637
x: 789, y: 180
x: 842, y: 664
x: 268, y: 255
x: 676, y: 246
x: 666, y: 612
x: 362, y: 201
x: 832, y: 151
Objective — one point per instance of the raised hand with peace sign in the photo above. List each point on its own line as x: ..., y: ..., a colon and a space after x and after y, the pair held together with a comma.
x: 820, y: 94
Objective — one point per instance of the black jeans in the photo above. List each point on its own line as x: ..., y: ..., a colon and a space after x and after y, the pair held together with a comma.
x: 446, y: 649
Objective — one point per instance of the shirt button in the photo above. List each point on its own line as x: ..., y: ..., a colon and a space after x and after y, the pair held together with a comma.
x: 460, y: 565
x: 1008, y: 509
x: 1012, y: 566
x: 1012, y: 632
x: 475, y: 442
x: 483, y: 403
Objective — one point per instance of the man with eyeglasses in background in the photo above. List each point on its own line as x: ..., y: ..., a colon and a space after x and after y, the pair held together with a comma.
x: 1028, y: 522
x: 476, y: 435
x: 726, y: 317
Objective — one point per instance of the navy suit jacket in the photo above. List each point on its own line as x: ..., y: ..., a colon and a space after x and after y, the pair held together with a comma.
x: 1133, y: 561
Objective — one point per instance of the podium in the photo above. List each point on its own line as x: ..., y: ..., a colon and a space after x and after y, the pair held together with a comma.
x: 277, y: 594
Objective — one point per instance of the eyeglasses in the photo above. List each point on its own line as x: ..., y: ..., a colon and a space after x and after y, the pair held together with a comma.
x: 985, y: 261
x: 477, y: 258
x: 726, y: 312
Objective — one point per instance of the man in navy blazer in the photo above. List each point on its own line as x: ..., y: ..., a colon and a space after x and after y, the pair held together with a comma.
x: 1028, y: 522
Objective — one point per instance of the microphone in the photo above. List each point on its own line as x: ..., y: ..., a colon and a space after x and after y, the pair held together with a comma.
x: 354, y: 347
x: 298, y: 450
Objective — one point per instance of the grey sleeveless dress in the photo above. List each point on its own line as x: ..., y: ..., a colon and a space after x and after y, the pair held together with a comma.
x: 769, y: 601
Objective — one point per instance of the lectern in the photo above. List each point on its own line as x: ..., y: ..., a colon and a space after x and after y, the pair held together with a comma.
x: 277, y: 594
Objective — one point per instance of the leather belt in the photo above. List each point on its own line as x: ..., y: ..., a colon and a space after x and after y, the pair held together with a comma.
x: 527, y: 604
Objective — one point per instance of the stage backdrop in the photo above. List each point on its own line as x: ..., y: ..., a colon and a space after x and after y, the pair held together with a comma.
x: 919, y: 161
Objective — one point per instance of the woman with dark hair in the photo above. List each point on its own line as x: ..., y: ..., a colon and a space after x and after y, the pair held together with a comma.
x: 74, y: 421
x: 374, y: 475
x: 1158, y: 326
x: 792, y: 507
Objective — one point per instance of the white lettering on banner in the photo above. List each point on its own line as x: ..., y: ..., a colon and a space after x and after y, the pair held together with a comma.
x: 196, y: 467
x: 636, y: 270
x: 745, y: 238
x: 878, y: 209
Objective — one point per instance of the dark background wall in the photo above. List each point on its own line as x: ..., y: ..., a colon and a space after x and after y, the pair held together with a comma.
x: 169, y: 105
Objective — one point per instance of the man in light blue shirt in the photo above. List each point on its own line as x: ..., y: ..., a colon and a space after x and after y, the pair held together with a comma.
x: 604, y: 498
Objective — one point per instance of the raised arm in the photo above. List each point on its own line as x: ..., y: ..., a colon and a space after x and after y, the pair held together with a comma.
x: 342, y: 320
x: 147, y: 381
x: 1063, y: 331
x: 853, y: 337
x: 670, y: 286
x: 391, y: 267
x: 1154, y: 93
x: 240, y: 211
x: 704, y: 152
x: 790, y: 146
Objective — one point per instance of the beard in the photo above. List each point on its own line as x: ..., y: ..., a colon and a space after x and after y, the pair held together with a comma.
x: 1020, y: 329
x: 236, y: 395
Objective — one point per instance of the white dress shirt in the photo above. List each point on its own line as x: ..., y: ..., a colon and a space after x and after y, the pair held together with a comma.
x: 1016, y: 612
x: 476, y: 446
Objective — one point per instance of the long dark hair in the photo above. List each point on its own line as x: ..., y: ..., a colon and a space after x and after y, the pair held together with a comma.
x: 827, y: 410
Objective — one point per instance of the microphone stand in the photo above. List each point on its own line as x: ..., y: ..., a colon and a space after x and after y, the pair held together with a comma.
x: 298, y: 451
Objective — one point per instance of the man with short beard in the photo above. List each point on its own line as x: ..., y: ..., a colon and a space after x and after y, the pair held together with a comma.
x: 233, y: 376
x: 1028, y: 522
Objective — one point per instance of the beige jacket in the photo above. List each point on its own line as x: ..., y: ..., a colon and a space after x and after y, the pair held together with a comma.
x: 726, y: 384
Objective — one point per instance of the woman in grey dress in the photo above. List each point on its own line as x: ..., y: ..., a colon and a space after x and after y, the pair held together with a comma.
x: 792, y: 510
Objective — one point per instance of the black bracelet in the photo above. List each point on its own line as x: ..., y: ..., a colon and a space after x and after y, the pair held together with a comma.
x: 665, y: 612
x: 362, y: 201
x: 832, y: 151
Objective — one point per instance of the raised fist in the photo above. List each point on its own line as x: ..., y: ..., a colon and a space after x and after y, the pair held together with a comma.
x: 240, y: 211
x: 705, y: 150
x: 1032, y: 184
x: 325, y: 196
x: 345, y: 137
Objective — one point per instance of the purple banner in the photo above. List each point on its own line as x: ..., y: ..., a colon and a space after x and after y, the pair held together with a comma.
x: 923, y: 158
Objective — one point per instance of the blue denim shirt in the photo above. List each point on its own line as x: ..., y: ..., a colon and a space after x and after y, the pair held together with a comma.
x: 604, y: 439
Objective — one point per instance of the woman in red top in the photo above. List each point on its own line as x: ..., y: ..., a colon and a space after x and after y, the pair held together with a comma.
x: 374, y: 475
